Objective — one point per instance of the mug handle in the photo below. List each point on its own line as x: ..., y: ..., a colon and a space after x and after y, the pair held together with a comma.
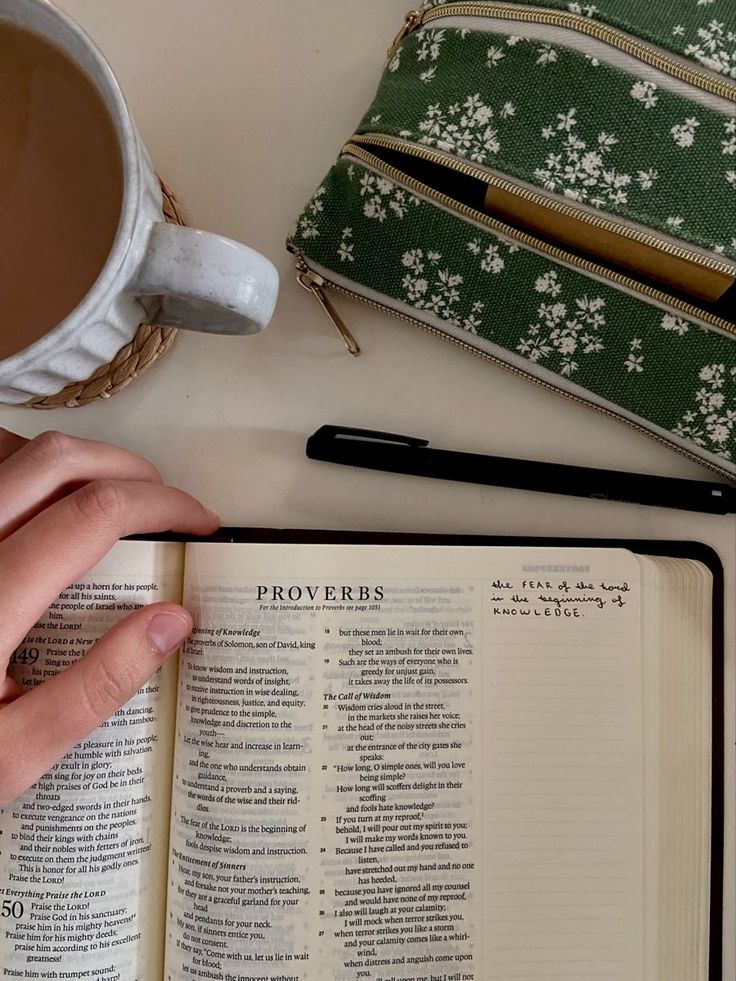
x: 206, y: 282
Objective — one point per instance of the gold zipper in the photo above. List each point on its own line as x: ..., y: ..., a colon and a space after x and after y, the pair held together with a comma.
x: 307, y: 278
x: 603, y: 222
x: 313, y: 283
x: 633, y: 46
x: 412, y: 20
x: 560, y: 255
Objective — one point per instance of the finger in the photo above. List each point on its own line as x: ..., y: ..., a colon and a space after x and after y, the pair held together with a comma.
x: 9, y: 690
x: 52, y: 718
x: 63, y: 542
x: 47, y: 467
x: 9, y: 443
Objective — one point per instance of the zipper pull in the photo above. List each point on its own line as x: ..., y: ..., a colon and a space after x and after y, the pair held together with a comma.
x: 412, y: 20
x: 313, y: 283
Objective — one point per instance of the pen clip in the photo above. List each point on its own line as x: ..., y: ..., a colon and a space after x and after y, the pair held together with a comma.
x: 332, y: 435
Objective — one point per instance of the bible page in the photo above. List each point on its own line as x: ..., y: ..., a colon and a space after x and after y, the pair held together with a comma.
x: 83, y: 852
x: 407, y: 763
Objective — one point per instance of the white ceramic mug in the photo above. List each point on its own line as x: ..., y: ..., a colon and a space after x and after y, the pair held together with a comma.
x: 185, y: 277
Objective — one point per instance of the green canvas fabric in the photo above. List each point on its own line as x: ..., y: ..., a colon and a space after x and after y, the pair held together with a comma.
x: 563, y: 122
x: 581, y: 128
x: 658, y: 366
x: 702, y: 30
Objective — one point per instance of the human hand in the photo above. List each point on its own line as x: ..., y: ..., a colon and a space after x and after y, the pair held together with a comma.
x: 64, y: 502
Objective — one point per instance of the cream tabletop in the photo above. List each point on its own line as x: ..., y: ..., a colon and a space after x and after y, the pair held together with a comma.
x: 243, y: 105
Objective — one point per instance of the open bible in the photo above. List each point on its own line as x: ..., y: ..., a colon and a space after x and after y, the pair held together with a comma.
x: 400, y: 762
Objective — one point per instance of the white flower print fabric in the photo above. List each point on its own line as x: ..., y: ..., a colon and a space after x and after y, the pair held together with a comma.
x: 580, y: 129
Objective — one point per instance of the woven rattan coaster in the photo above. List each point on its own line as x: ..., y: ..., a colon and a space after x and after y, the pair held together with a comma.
x: 149, y: 343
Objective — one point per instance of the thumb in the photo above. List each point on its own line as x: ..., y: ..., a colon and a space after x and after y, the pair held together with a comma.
x: 48, y: 721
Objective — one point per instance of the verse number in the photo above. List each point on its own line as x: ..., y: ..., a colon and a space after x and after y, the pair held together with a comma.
x: 25, y: 655
x: 11, y: 908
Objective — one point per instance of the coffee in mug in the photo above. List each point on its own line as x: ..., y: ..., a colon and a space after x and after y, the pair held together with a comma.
x: 86, y: 254
x: 61, y: 186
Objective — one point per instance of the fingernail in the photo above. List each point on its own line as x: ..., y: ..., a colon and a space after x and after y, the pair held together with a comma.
x: 167, y: 631
x: 215, y: 517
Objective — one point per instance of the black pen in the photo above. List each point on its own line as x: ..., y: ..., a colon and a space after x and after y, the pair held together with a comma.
x: 409, y: 455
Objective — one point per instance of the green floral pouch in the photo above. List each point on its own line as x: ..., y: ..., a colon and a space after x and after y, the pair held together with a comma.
x: 552, y: 186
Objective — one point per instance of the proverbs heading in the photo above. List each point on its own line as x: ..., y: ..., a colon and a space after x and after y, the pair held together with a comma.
x: 325, y: 594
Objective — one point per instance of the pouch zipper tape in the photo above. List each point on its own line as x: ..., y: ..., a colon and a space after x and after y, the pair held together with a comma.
x: 642, y: 50
x: 548, y: 201
x: 353, y: 149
